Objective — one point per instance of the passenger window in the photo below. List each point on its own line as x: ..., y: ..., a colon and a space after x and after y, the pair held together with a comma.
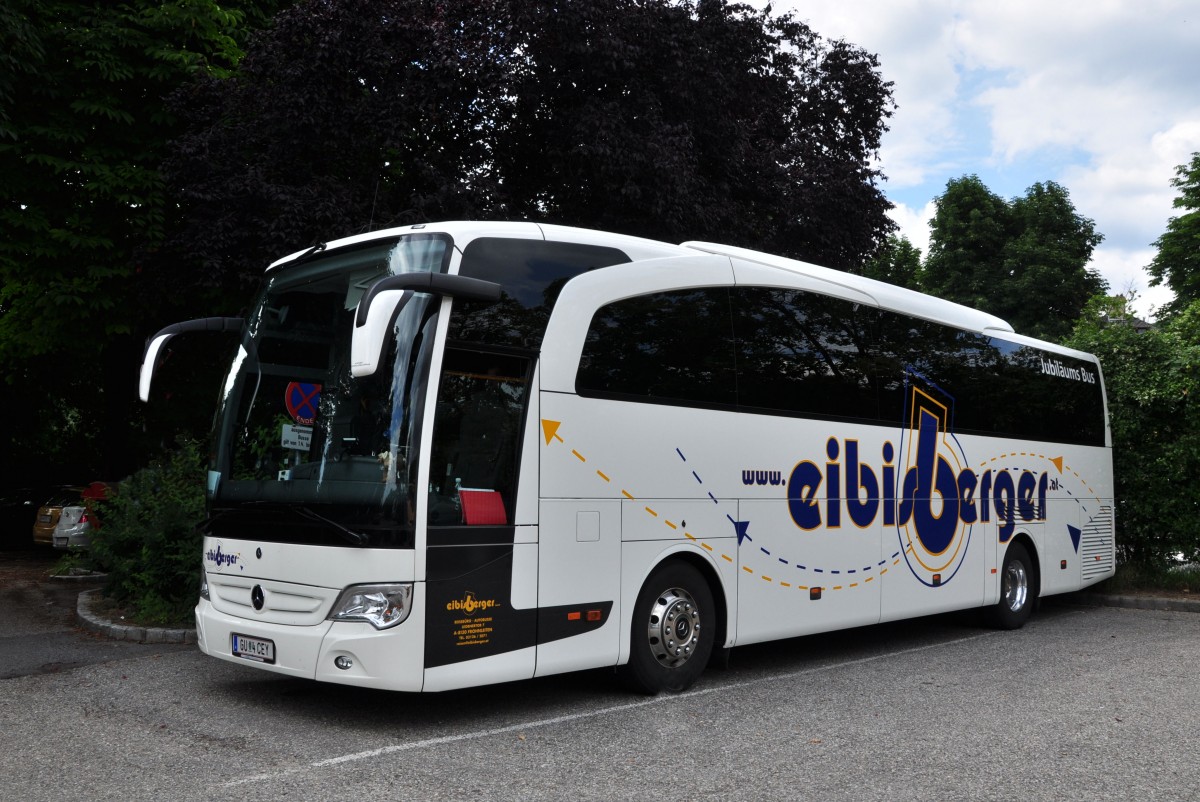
x: 476, y: 440
x: 804, y: 354
x: 671, y: 347
x: 531, y: 274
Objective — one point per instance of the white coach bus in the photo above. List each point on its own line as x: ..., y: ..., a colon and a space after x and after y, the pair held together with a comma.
x: 455, y: 454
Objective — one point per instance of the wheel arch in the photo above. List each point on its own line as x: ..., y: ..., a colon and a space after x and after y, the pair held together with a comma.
x: 708, y: 571
x: 1031, y: 549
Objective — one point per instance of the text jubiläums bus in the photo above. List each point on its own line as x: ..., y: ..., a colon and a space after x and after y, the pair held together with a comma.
x: 465, y: 453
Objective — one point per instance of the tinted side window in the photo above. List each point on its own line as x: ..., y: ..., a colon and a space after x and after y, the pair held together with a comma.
x: 1054, y: 397
x: 960, y: 366
x: 531, y: 273
x: 996, y: 387
x: 802, y: 353
x: 672, y: 347
x: 795, y: 353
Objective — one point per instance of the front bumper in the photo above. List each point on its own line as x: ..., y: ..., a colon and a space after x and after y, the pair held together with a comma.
x: 391, y: 659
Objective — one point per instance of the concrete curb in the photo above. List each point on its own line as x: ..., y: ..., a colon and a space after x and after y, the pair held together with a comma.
x: 1147, y: 602
x: 77, y: 577
x: 94, y: 623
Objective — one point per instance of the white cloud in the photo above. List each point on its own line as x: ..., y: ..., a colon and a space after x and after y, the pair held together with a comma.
x: 1128, y: 192
x: 1098, y: 96
x: 914, y: 224
x: 1123, y: 269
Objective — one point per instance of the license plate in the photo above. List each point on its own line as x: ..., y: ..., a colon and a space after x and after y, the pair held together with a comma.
x: 257, y: 649
x: 44, y: 519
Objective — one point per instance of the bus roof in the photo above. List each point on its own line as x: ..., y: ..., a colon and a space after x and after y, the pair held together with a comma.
x: 464, y: 231
x: 884, y: 295
x: 887, y: 296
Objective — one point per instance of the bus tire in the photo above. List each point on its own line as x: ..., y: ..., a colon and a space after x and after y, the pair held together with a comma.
x: 674, y: 623
x: 1017, y: 590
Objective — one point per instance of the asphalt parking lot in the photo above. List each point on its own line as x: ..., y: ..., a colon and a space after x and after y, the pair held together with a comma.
x: 1083, y: 703
x: 39, y: 631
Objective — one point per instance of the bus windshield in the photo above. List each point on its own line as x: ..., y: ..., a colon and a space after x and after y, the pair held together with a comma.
x: 296, y: 432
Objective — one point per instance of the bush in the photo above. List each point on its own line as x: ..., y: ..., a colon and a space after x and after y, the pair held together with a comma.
x: 1153, y: 382
x: 148, y: 541
x: 1138, y: 577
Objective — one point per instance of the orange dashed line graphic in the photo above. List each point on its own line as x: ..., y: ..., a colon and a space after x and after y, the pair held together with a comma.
x: 1057, y: 462
x: 550, y: 432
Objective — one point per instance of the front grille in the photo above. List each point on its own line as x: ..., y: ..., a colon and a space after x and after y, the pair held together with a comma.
x: 283, y: 602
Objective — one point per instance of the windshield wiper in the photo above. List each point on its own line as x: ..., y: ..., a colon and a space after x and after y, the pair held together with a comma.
x: 348, y: 534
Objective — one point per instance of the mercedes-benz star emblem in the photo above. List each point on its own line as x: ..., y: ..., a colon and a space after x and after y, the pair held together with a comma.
x: 257, y: 597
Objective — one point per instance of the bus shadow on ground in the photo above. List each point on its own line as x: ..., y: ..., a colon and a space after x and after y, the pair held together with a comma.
x: 434, y: 715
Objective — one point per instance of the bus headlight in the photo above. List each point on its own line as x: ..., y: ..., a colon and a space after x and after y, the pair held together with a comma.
x: 381, y: 606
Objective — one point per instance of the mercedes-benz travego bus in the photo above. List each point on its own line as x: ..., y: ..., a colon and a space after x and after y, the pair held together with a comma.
x: 463, y: 453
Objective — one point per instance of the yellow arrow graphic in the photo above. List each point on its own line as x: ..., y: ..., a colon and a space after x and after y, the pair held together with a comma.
x: 550, y: 430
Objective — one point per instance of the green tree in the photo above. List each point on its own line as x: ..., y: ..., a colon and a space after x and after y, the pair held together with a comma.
x: 83, y: 126
x: 676, y: 120
x: 1152, y: 379
x: 706, y: 120
x: 898, y: 262
x: 1177, y: 263
x: 1024, y: 260
x: 968, y: 232
x: 1045, y: 262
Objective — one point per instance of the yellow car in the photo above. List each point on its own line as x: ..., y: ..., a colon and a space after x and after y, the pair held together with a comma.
x: 49, y: 513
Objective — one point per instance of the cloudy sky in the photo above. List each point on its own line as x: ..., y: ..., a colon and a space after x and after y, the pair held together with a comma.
x: 1101, y: 96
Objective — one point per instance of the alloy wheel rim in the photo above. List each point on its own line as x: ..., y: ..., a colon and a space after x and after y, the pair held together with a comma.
x: 1016, y: 585
x: 673, y: 629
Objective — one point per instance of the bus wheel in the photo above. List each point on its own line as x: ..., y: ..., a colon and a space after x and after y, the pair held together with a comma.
x: 673, y: 630
x: 1016, y: 590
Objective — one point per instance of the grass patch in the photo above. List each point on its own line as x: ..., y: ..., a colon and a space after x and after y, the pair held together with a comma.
x: 73, y: 563
x: 115, y: 612
x: 1138, y: 578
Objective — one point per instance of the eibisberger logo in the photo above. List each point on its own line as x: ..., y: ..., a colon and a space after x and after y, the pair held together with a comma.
x: 925, y: 490
x: 469, y: 604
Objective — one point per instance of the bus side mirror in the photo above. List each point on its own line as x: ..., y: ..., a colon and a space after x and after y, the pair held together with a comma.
x: 381, y: 304
x: 155, y: 344
x: 375, y: 318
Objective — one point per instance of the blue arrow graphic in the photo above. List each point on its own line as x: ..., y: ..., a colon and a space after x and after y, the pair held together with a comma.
x: 1075, y: 535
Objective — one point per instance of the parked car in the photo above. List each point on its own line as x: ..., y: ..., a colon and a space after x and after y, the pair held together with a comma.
x: 18, y: 512
x: 77, y: 520
x: 49, y: 513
